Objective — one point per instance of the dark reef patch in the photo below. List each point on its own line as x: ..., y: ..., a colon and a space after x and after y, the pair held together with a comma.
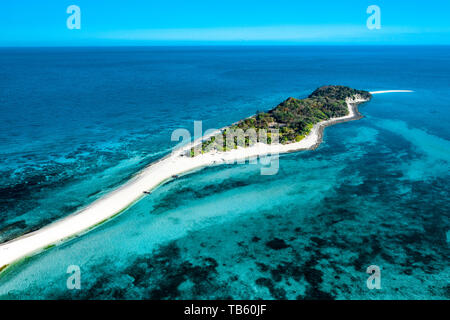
x: 277, y: 293
x: 277, y: 244
x: 157, y: 276
x: 179, y: 195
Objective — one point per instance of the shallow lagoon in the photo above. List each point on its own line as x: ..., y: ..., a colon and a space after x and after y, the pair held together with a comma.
x: 375, y: 192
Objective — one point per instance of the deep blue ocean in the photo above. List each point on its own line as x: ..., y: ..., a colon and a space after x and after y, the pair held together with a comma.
x: 75, y: 123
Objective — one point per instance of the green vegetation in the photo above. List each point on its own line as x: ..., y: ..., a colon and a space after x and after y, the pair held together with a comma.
x: 293, y: 119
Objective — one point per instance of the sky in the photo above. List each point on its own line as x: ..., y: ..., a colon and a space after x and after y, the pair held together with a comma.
x: 191, y: 22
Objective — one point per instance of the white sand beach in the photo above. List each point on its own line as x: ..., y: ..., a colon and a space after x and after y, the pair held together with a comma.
x: 149, y: 178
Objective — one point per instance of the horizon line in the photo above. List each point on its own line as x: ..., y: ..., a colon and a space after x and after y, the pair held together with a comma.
x: 224, y: 44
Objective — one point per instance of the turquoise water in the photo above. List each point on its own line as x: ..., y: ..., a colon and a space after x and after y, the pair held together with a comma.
x: 374, y: 193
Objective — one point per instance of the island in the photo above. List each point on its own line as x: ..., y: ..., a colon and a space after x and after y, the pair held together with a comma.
x: 298, y: 124
x: 292, y: 120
